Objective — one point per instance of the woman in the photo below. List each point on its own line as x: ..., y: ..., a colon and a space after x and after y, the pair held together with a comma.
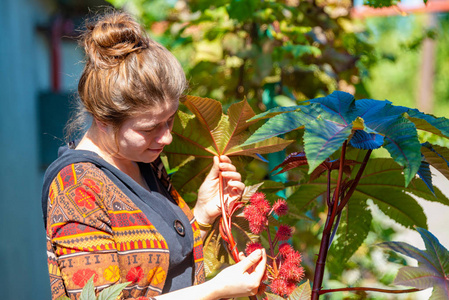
x: 109, y: 208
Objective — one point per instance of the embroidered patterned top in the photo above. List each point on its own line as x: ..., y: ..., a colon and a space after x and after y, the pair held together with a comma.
x: 95, y: 228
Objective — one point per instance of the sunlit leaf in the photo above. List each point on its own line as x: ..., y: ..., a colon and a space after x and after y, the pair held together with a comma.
x: 190, y: 176
x: 437, y: 157
x: 270, y: 145
x: 339, y: 104
x: 433, y: 265
x: 425, y: 174
x: 112, y: 292
x: 322, y: 138
x: 302, y: 292
x: 354, y: 226
x: 429, y: 123
x: 208, y: 111
x: 88, y: 292
x: 209, y: 132
x: 382, y: 183
x: 279, y: 123
x: 401, y: 141
x: 274, y: 297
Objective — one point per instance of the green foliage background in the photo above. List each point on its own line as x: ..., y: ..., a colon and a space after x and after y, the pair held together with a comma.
x: 396, y: 78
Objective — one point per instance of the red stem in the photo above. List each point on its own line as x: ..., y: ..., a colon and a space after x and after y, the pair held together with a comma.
x: 355, y: 182
x: 325, y: 239
x: 232, y: 245
x: 226, y: 228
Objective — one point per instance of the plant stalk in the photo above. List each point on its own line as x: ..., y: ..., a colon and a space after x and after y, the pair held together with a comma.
x: 325, y: 239
x: 355, y: 182
x: 232, y: 245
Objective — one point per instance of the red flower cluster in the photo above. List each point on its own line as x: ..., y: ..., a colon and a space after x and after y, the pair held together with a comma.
x: 284, y: 271
x: 280, y: 207
x: 257, y: 213
x: 289, y: 272
x: 251, y: 247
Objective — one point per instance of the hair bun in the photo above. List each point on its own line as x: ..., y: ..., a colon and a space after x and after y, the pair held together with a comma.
x: 111, y: 38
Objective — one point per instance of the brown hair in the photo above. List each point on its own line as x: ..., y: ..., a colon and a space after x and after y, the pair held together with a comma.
x: 125, y: 70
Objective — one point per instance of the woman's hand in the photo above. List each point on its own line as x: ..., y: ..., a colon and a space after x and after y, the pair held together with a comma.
x: 239, y: 280
x: 207, y: 207
x: 243, y: 278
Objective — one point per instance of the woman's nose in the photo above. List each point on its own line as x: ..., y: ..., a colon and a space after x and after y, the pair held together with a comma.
x: 166, y: 137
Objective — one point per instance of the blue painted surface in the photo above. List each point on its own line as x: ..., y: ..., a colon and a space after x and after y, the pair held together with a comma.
x: 24, y: 72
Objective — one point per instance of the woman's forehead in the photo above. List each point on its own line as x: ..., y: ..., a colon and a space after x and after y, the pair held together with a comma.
x: 157, y: 113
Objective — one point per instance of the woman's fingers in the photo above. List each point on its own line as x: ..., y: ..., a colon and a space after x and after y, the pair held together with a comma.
x: 252, y: 259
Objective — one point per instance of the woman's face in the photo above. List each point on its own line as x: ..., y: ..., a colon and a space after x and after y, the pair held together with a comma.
x: 143, y: 137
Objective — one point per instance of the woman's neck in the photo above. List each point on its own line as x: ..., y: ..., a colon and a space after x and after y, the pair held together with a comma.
x: 92, y: 141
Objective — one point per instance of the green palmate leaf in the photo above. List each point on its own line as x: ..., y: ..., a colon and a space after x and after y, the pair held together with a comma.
x: 305, y: 197
x: 208, y: 111
x: 426, y: 175
x: 271, y: 145
x: 213, y: 257
x: 429, y: 123
x: 222, y: 134
x: 354, y: 226
x: 417, y: 277
x: 339, y: 104
x: 190, y: 176
x: 437, y: 156
x: 238, y: 114
x: 88, y: 292
x: 188, y: 142
x: 112, y: 292
x: 275, y: 111
x: 433, y: 265
x: 438, y: 254
x: 302, y: 292
x: 249, y: 191
x: 401, y: 140
x: 291, y: 119
x: 366, y: 123
x: 382, y: 183
x: 209, y: 132
x: 277, y: 125
x: 397, y: 205
x: 322, y: 138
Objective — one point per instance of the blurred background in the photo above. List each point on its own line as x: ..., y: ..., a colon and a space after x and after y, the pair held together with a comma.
x: 231, y: 49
